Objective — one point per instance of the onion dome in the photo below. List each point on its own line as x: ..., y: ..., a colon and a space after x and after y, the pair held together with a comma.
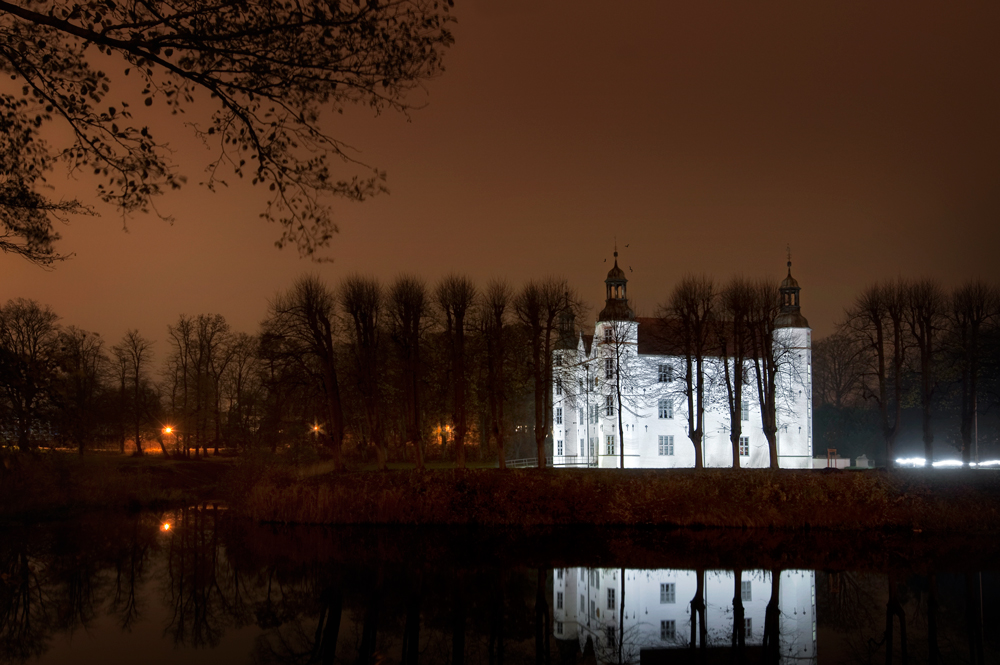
x: 616, y: 306
x: 790, y: 315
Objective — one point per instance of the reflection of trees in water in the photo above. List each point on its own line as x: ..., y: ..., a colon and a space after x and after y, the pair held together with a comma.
x: 25, y: 623
x: 59, y: 584
x: 204, y: 593
x: 130, y: 567
x: 424, y: 607
x: 905, y: 617
x: 405, y: 613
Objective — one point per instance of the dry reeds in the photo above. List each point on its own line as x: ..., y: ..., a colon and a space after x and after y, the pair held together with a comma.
x: 748, y: 498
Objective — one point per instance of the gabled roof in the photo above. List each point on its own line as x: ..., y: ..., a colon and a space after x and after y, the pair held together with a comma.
x: 659, y: 337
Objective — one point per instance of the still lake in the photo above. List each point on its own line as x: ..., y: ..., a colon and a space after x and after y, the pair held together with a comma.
x: 194, y: 586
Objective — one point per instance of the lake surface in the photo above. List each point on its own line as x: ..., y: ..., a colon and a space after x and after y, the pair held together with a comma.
x: 192, y: 586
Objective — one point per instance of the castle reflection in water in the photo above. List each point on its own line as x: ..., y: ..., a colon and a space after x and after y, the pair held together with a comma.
x: 647, y: 616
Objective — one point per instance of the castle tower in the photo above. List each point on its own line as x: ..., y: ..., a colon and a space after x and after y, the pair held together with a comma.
x: 616, y: 361
x: 793, y: 339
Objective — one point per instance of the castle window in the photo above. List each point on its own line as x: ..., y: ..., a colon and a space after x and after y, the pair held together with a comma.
x: 745, y: 595
x: 610, y: 444
x: 558, y: 415
x: 609, y: 406
x: 665, y: 374
x: 593, y: 445
x: 559, y: 627
x: 607, y: 335
x: 745, y: 411
x: 558, y: 386
x: 611, y: 598
x: 559, y: 600
x: 609, y: 368
x: 579, y: 415
x: 668, y: 593
x: 666, y: 409
x: 744, y: 446
x: 668, y: 630
x: 559, y: 447
x: 582, y: 451
x: 665, y: 444
x: 747, y: 628
x: 558, y: 360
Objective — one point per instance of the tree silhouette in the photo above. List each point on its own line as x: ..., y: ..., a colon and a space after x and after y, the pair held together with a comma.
x: 267, y: 69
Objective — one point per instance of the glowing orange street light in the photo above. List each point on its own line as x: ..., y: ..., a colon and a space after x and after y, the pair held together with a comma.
x: 168, y: 429
x: 165, y: 527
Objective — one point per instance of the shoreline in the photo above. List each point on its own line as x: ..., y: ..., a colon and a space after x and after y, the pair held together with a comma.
x: 953, y: 501
x: 947, y: 501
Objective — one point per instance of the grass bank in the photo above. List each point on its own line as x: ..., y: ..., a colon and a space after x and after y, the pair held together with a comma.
x: 60, y: 485
x: 960, y: 501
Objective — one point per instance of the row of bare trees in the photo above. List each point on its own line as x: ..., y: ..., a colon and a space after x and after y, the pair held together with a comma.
x: 381, y: 363
x: 380, y: 367
x: 907, y: 345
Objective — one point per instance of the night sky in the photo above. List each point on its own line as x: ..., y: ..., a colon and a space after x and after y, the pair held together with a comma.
x: 705, y: 136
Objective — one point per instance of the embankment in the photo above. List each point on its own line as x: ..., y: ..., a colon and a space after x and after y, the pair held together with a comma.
x: 957, y: 501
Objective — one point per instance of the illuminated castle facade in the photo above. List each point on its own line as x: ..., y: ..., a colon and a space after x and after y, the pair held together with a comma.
x: 631, y: 364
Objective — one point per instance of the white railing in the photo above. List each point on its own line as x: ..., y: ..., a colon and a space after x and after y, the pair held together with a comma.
x: 532, y: 463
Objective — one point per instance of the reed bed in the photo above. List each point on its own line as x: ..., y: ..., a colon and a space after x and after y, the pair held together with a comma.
x: 967, y: 501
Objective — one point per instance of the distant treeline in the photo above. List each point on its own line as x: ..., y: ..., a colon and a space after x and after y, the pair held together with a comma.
x: 381, y: 372
x: 911, y: 365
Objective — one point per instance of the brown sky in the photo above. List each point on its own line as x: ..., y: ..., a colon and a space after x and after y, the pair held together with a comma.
x: 706, y: 136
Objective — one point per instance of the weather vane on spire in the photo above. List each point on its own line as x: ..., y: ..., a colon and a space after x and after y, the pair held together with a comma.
x: 789, y: 250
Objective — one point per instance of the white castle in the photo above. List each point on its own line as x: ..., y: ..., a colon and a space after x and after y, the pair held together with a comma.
x: 654, y: 431
x: 648, y: 614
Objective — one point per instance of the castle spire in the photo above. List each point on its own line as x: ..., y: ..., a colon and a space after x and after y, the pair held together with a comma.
x: 790, y: 315
x: 616, y: 306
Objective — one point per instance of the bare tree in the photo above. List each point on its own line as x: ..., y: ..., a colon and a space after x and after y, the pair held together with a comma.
x: 690, y: 316
x: 733, y: 334
x: 266, y: 69
x: 84, y: 367
x: 626, y: 377
x: 497, y: 302
x: 974, y: 306
x: 362, y: 302
x: 242, y: 389
x: 538, y: 307
x: 136, y: 353
x: 876, y: 323
x: 29, y: 344
x: 181, y: 337
x: 837, y: 372
x: 925, y: 316
x: 214, y: 338
x: 300, y: 326
x: 407, y: 310
x: 456, y: 297
x: 769, y: 353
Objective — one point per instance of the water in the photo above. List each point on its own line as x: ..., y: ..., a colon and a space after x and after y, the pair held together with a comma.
x: 192, y: 586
